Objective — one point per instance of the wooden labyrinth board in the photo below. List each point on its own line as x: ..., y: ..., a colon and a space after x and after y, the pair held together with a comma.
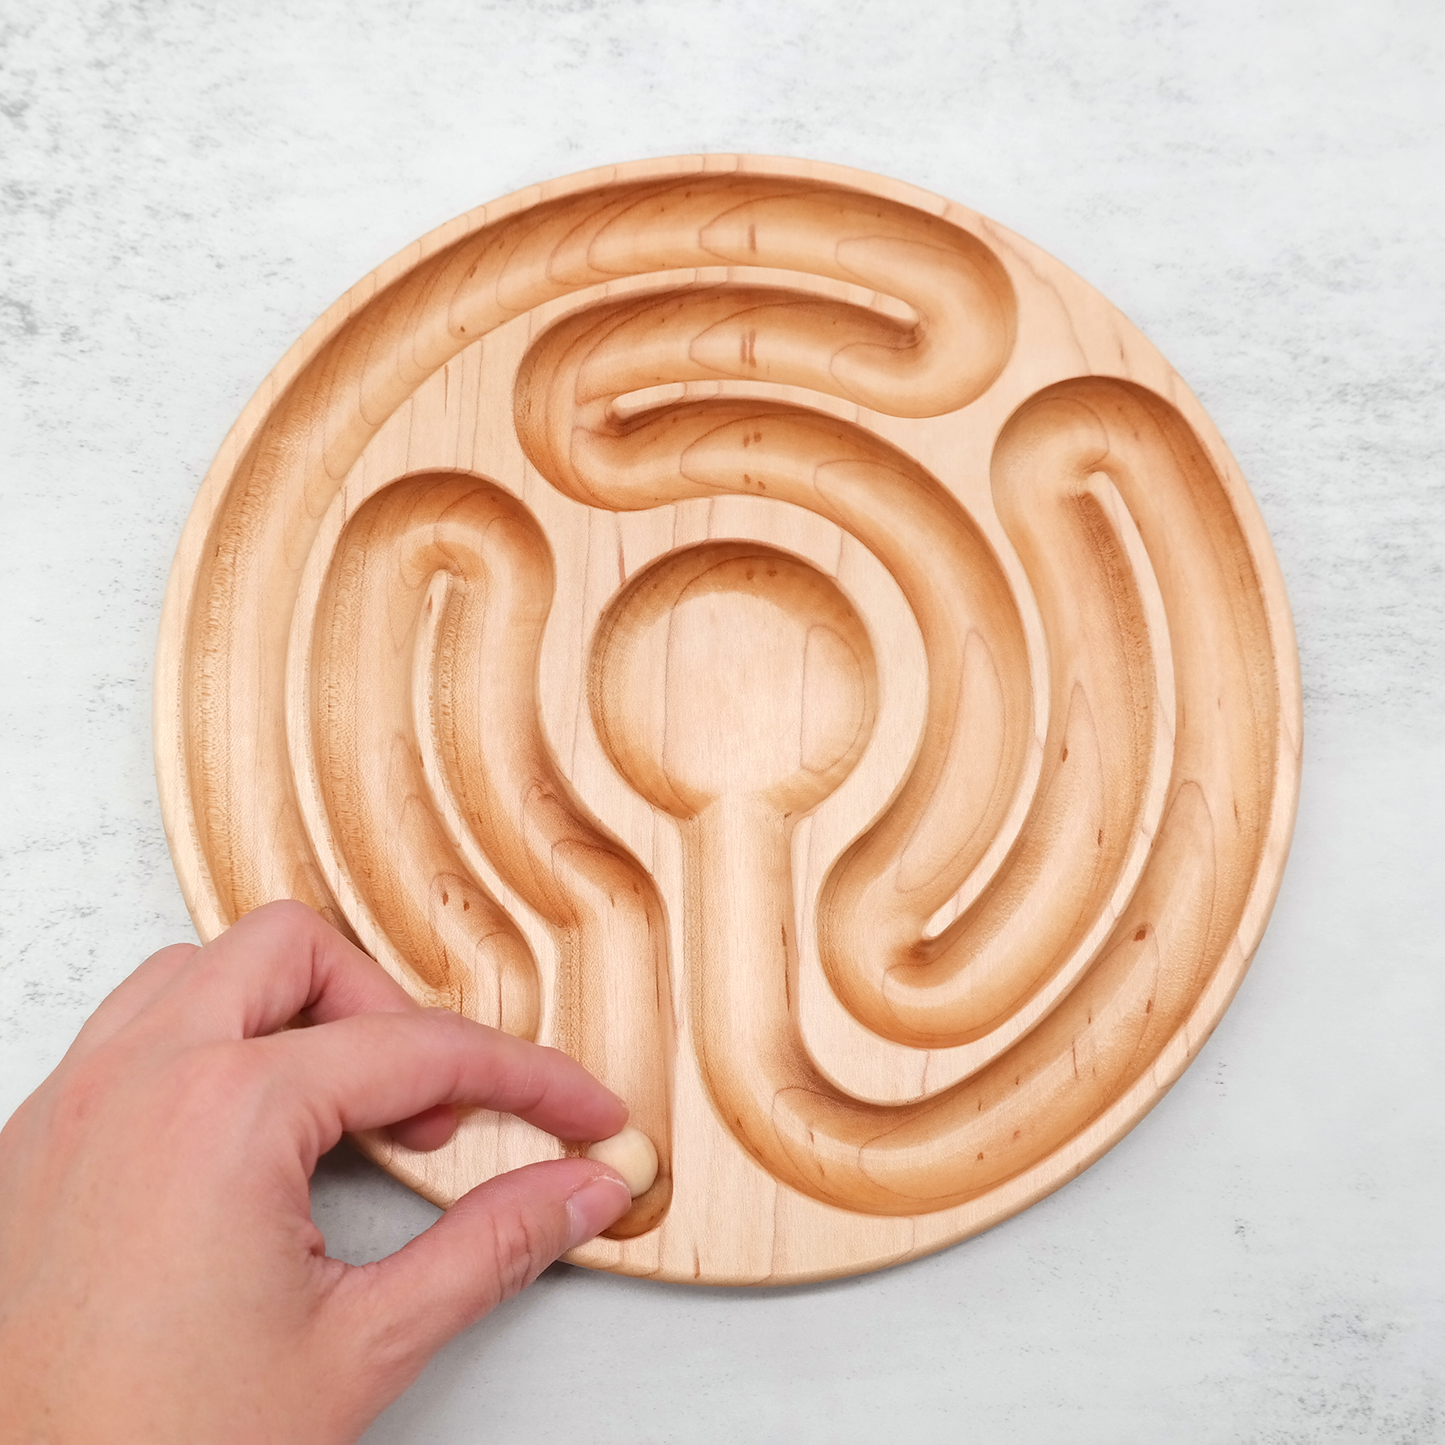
x: 777, y: 636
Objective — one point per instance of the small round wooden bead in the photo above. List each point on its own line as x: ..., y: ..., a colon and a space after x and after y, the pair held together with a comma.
x: 632, y: 1155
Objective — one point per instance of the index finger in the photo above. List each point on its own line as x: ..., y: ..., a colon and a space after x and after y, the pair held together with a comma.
x: 369, y: 1071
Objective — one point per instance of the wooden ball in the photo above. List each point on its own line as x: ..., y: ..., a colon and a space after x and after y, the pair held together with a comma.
x: 632, y: 1155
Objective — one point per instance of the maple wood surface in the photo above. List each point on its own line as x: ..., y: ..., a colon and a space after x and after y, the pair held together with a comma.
x: 778, y: 636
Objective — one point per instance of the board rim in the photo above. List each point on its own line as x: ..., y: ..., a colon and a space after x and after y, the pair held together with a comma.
x: 1129, y: 1108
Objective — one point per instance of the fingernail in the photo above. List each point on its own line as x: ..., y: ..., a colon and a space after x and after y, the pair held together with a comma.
x: 594, y: 1206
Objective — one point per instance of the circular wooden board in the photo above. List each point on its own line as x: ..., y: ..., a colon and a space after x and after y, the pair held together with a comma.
x: 779, y: 637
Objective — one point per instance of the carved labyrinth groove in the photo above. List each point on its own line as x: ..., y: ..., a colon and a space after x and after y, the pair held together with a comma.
x: 778, y: 637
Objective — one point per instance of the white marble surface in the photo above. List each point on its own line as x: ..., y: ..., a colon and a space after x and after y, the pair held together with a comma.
x: 1261, y: 186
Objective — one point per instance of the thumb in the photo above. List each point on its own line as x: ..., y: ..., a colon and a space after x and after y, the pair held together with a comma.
x: 493, y: 1242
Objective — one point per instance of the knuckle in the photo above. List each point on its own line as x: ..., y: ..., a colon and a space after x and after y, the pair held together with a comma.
x: 286, y: 916
x: 286, y: 910
x: 447, y: 1031
x: 438, y: 1016
x: 174, y: 952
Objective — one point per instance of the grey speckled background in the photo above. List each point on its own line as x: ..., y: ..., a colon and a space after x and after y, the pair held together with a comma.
x: 1260, y: 186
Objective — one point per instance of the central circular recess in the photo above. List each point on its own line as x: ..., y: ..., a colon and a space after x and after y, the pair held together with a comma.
x: 732, y: 669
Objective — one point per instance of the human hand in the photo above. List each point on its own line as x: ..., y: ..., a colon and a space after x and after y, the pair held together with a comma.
x: 160, y: 1276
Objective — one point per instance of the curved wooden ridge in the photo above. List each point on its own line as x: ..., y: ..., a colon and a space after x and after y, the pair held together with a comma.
x: 784, y: 640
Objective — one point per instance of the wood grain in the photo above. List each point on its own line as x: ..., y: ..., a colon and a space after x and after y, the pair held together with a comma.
x: 778, y: 636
